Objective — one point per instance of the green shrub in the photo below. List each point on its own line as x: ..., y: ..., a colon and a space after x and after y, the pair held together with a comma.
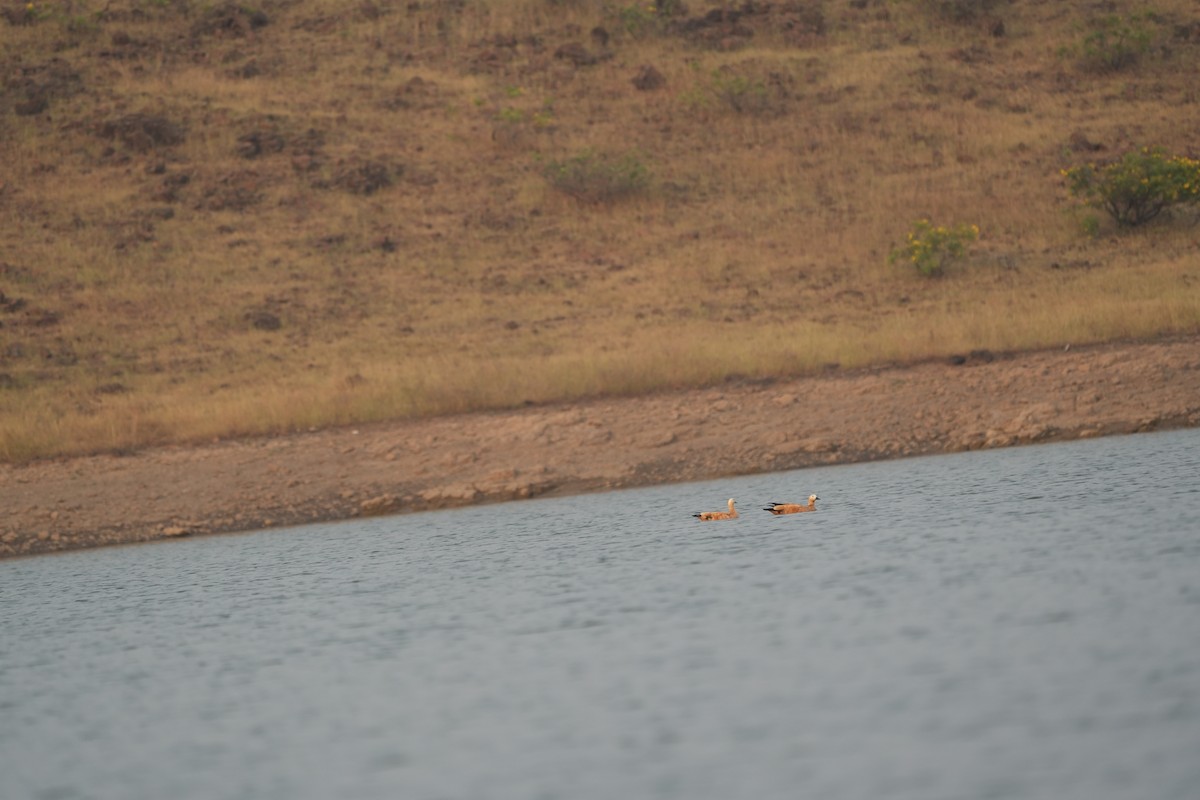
x: 1090, y: 225
x: 1137, y: 188
x: 728, y: 89
x: 642, y: 19
x: 931, y: 248
x: 636, y: 19
x: 510, y: 115
x: 743, y: 95
x: 594, y: 178
x: 1114, y: 43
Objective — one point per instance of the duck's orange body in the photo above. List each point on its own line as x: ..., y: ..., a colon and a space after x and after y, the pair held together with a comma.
x: 711, y: 515
x: 793, y: 508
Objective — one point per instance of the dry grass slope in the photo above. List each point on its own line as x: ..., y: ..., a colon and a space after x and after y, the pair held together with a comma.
x: 225, y: 219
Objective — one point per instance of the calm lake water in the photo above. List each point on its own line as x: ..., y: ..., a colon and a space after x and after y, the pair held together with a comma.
x: 1019, y: 623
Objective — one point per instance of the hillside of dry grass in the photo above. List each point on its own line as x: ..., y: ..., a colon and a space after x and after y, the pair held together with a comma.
x: 223, y: 219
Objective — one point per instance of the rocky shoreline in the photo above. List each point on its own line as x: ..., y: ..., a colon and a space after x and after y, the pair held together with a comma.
x: 974, y: 401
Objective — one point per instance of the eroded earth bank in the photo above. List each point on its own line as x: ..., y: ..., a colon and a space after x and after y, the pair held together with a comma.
x: 975, y: 401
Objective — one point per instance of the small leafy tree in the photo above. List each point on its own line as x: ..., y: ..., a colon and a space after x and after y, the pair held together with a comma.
x: 1115, y: 43
x: 1136, y: 189
x: 931, y: 248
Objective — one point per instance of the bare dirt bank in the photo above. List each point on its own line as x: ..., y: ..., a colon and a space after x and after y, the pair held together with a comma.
x: 985, y: 401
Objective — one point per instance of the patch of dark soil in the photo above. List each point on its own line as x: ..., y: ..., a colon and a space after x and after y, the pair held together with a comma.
x: 717, y: 29
x: 11, y: 305
x: 171, y: 187
x: 159, y: 213
x: 1080, y: 143
x: 260, y: 142
x: 229, y: 20
x: 488, y: 60
x: 799, y: 23
x: 32, y: 106
x: 263, y: 320
x: 306, y: 151
x: 235, y: 191
x: 133, y: 233
x: 958, y: 11
x: 328, y: 23
x: 142, y: 132
x: 21, y: 14
x: 330, y: 241
x: 494, y: 220
x: 15, y: 272
x: 421, y: 178
x: 250, y: 69
x: 1188, y: 32
x: 648, y: 78
x: 124, y: 47
x: 63, y: 356
x: 972, y: 54
x: 575, y: 53
x: 42, y: 318
x: 993, y: 26
x: 496, y: 53
x: 365, y: 177
x: 974, y: 358
x: 33, y: 87
x: 417, y: 94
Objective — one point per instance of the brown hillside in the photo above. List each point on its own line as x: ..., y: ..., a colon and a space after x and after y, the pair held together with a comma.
x: 226, y: 219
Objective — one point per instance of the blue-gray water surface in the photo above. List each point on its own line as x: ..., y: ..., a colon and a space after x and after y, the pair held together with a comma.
x: 1021, y: 623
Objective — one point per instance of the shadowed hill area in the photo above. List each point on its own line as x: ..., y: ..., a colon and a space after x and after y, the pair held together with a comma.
x: 225, y: 219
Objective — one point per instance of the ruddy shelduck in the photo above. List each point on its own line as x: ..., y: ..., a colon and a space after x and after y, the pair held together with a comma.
x: 793, y: 508
x: 710, y: 515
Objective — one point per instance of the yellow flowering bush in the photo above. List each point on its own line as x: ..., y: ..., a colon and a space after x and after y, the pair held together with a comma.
x: 931, y: 248
x: 1137, y: 188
